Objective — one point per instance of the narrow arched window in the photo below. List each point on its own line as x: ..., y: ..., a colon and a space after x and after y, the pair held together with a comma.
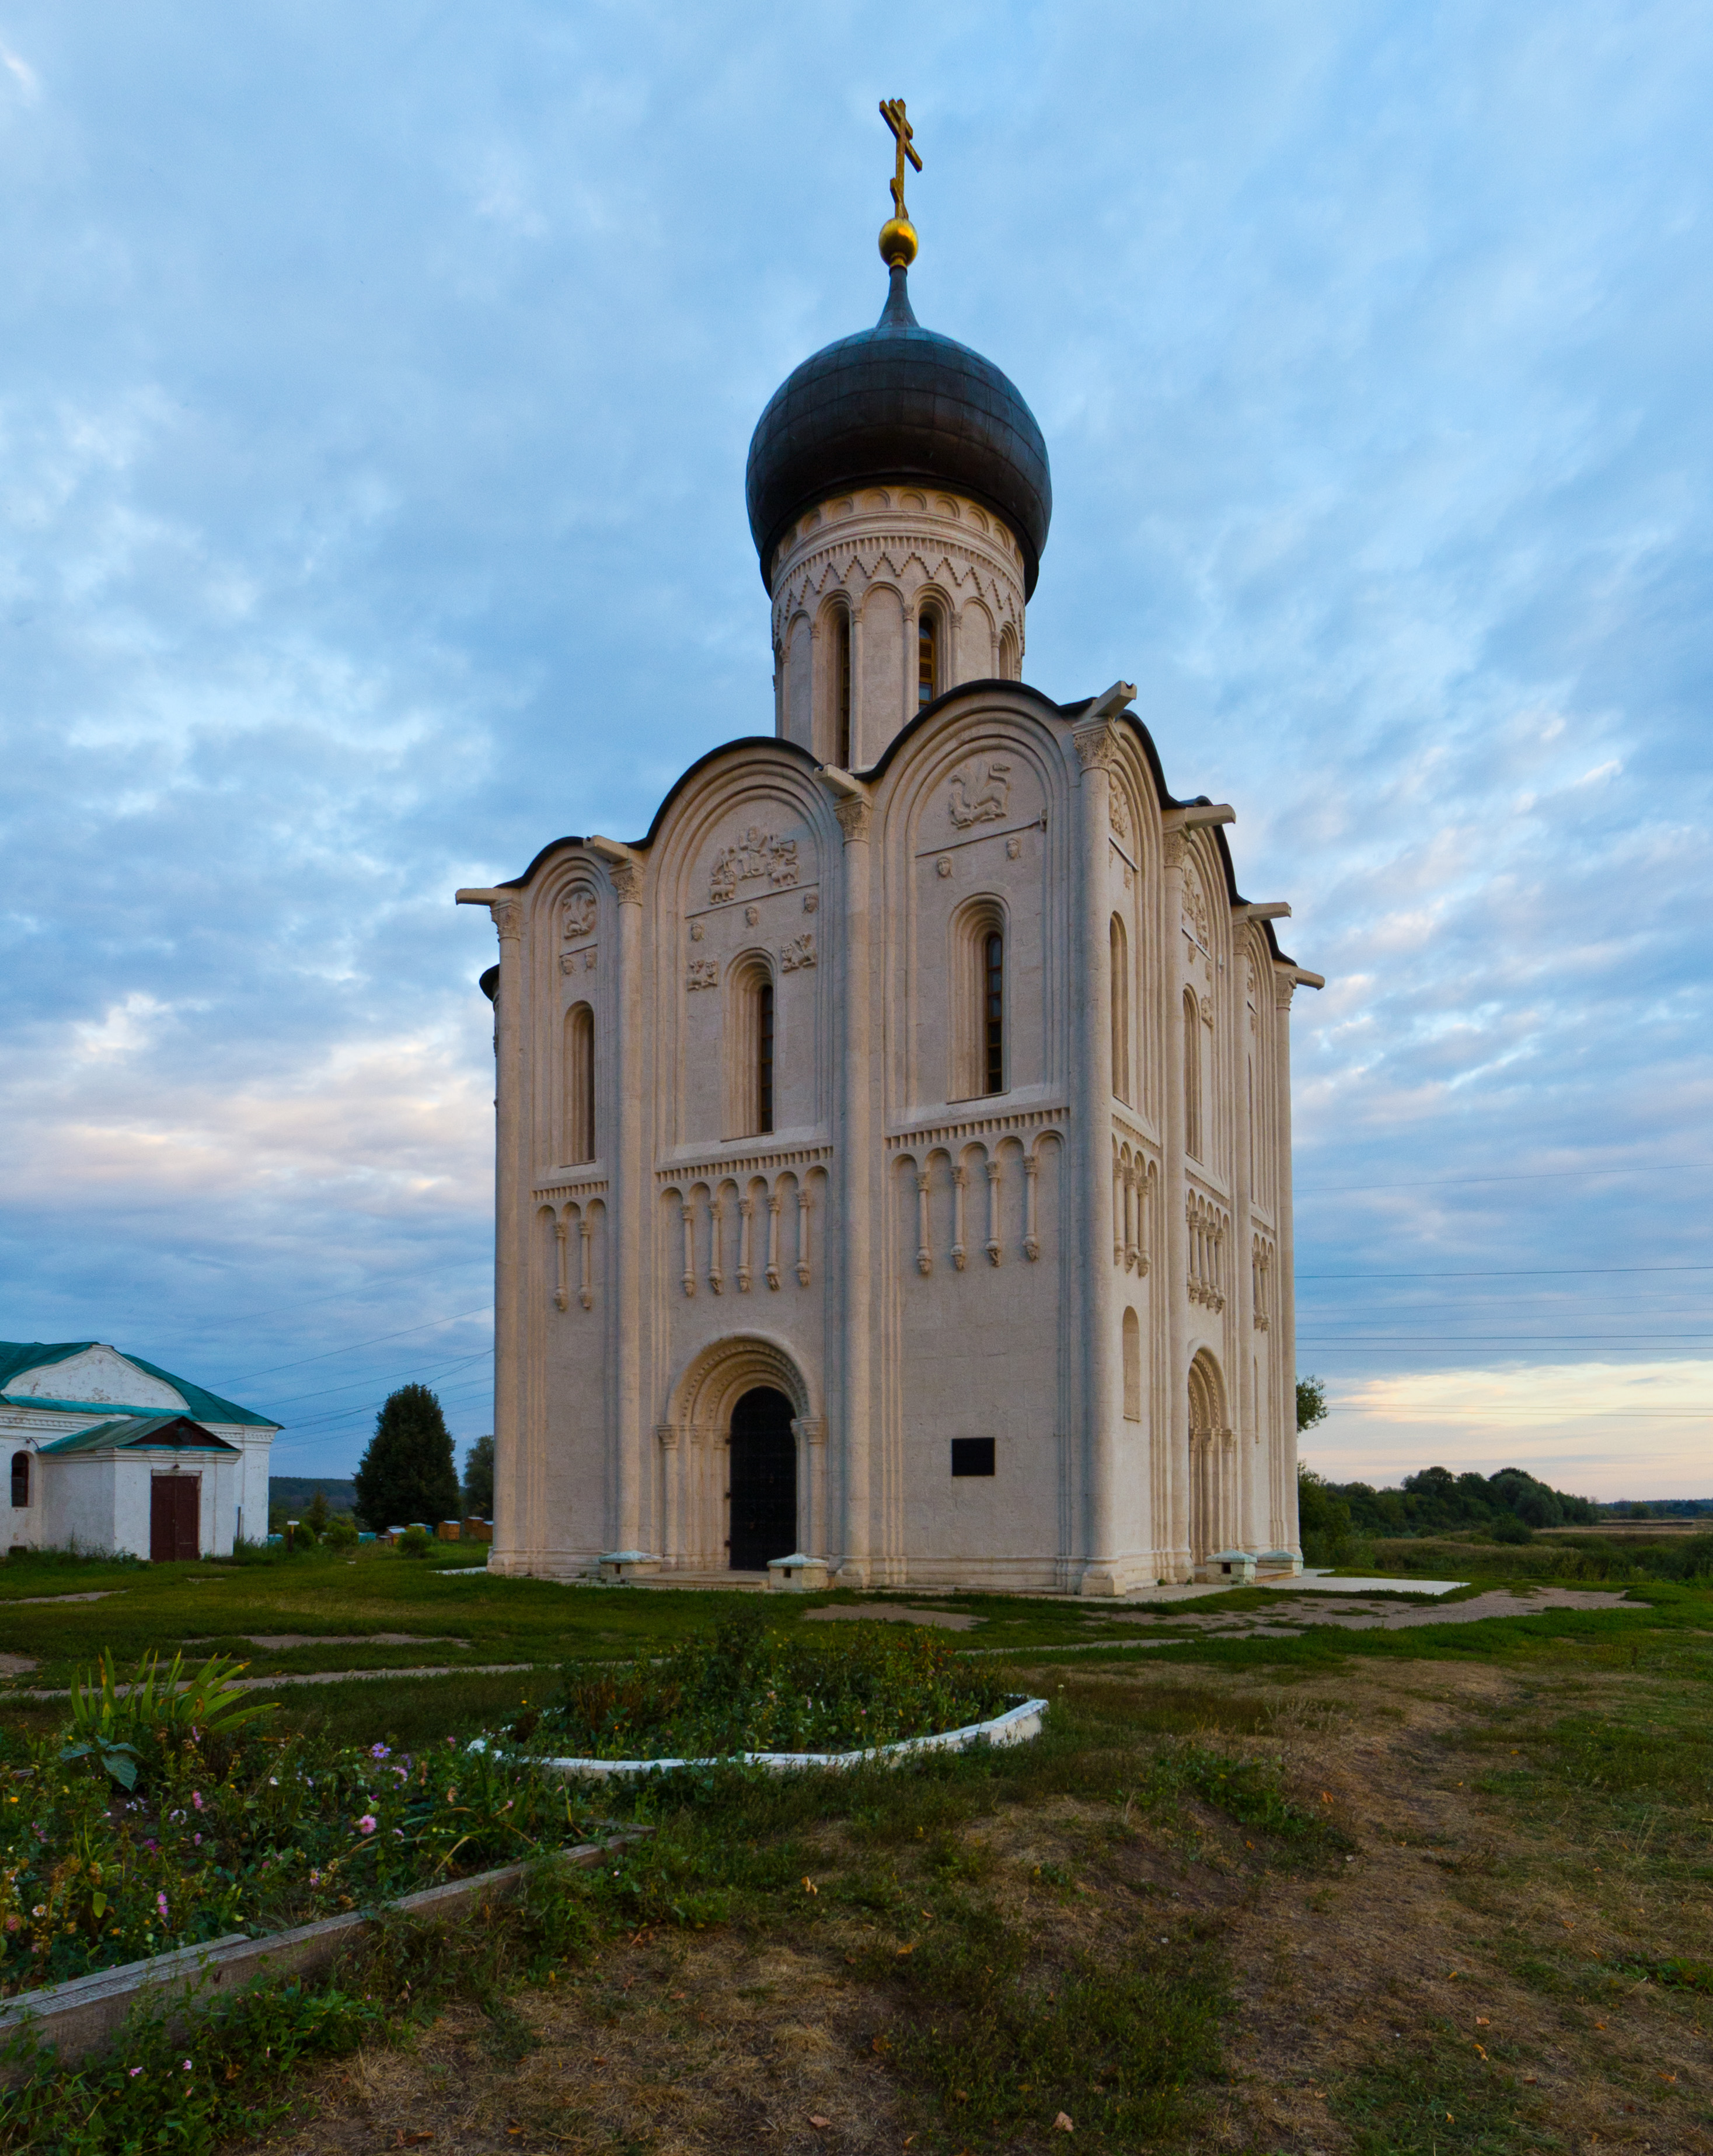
x: 993, y: 1012
x: 1120, y: 1010
x: 928, y: 656
x: 841, y: 690
x: 1192, y: 1075
x: 580, y: 1083
x: 20, y: 1481
x: 1008, y: 654
x: 1133, y: 1367
x: 764, y: 1056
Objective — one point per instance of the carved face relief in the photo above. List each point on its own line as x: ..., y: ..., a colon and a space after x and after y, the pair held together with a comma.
x: 757, y: 853
x: 980, y: 792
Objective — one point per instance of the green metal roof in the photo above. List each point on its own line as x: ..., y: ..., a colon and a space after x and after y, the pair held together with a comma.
x: 18, y: 1356
x: 173, y: 1433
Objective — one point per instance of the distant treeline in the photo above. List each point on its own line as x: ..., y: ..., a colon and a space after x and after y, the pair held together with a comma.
x: 1438, y: 1502
x: 1658, y: 1508
x: 292, y: 1492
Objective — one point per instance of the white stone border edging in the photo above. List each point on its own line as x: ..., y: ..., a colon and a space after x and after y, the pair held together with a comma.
x: 1016, y: 1726
x: 88, y: 2012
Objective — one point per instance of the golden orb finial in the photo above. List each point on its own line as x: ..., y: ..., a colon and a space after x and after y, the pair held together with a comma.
x: 898, y: 235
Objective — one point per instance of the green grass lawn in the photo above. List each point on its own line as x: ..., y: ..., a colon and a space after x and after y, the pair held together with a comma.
x: 1372, y: 1893
x: 457, y: 1615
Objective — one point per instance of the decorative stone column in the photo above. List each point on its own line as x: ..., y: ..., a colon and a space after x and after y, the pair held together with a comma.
x: 672, y: 1493
x: 1091, y: 1093
x: 810, y: 1434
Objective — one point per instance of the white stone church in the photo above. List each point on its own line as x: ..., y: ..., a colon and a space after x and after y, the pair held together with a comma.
x: 894, y: 1161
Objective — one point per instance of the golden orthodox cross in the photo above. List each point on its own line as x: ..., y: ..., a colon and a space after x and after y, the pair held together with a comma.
x: 892, y: 110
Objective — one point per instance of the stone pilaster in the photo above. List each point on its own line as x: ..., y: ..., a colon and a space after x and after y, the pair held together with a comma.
x: 1097, y: 750
x: 1173, y: 1531
x: 856, y: 1172
x: 630, y: 1210
x: 1284, y: 1474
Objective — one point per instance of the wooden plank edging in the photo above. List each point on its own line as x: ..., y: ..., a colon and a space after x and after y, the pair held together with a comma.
x: 87, y: 2013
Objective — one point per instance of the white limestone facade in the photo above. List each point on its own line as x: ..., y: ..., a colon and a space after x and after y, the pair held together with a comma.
x: 922, y: 1073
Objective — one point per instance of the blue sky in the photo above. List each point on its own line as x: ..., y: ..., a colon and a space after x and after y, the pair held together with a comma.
x: 375, y: 391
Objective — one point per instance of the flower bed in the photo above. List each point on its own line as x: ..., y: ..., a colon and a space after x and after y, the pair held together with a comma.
x: 749, y: 1690
x: 239, y: 1832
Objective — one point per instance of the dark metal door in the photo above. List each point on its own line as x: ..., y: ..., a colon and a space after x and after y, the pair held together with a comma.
x: 175, y: 1504
x: 764, y: 1480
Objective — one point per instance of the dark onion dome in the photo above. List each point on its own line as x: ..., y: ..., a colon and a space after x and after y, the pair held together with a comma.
x: 898, y: 402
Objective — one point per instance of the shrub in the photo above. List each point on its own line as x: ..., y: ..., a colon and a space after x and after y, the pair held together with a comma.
x: 416, y: 1540
x: 748, y: 1689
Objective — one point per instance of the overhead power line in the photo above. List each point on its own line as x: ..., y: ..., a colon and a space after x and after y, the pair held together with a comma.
x: 1534, y: 1175
x: 351, y: 1348
x: 1513, y: 1272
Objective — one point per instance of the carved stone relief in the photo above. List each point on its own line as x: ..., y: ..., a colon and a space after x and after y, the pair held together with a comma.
x: 579, y: 915
x: 702, y: 973
x: 798, y: 952
x: 1195, y: 906
x: 757, y: 854
x: 979, y: 792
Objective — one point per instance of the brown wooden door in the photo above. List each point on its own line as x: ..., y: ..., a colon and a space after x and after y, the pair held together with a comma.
x: 175, y: 1506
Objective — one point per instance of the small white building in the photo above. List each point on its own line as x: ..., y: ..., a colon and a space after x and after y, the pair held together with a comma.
x: 111, y: 1454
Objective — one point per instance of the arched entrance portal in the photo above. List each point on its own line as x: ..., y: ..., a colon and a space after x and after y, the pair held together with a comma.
x: 763, y: 1480
x: 1213, y: 1524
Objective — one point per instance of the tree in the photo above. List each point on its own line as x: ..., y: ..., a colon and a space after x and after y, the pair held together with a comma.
x: 479, y: 1479
x: 1311, y: 1401
x: 317, y: 1515
x: 407, y: 1473
x: 1323, y: 1518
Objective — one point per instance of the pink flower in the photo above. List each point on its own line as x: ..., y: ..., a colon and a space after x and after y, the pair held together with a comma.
x: 187, y: 2066
x: 133, y: 2071
x: 367, y: 1823
x: 199, y: 1840
x: 161, y: 1904
x: 196, y: 1798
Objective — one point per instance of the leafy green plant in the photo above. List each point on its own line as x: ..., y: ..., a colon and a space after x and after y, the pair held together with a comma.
x: 416, y: 1541
x: 115, y: 1724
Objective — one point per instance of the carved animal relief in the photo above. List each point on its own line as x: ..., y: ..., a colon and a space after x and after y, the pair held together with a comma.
x: 702, y: 973
x: 578, y: 916
x: 798, y: 952
x: 979, y: 792
x: 757, y: 854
